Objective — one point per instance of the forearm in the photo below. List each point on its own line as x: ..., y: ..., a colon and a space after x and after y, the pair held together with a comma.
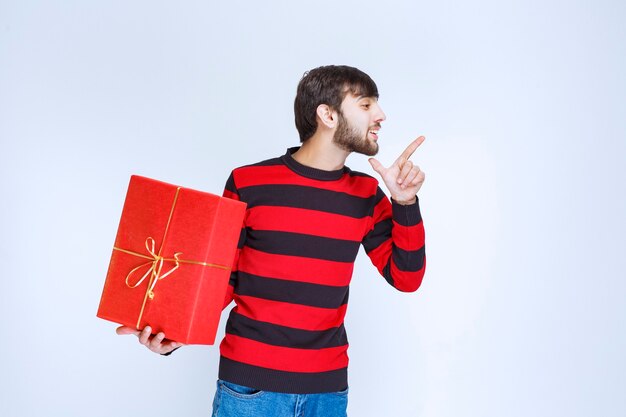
x: 396, y: 244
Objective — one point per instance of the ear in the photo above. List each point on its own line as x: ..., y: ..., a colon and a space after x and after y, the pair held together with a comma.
x: 327, y: 116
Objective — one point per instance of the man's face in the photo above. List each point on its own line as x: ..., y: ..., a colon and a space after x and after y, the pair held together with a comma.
x: 358, y: 125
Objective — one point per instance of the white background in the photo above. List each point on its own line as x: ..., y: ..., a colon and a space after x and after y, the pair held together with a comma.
x: 522, y: 103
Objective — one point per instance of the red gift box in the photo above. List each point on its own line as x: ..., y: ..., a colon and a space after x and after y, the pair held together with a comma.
x: 171, y: 260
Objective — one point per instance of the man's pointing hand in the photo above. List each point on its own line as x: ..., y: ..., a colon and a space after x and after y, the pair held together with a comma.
x: 402, y: 178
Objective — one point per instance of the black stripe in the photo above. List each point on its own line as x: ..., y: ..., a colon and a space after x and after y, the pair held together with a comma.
x: 303, y: 293
x: 379, y: 234
x: 242, y: 238
x: 406, y: 215
x: 387, y: 273
x: 297, y: 244
x: 380, y: 194
x: 310, y: 172
x: 282, y: 381
x: 409, y: 261
x: 298, y: 196
x: 274, y: 334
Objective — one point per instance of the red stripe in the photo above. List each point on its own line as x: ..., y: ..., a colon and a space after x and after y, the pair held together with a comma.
x: 290, y: 315
x: 283, y: 358
x: 311, y: 222
x: 407, y: 281
x: 408, y: 237
x: 382, y: 210
x: 280, y: 174
x: 295, y: 268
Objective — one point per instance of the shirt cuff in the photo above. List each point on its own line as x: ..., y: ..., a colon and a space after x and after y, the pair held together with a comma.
x: 408, y: 215
x: 170, y: 352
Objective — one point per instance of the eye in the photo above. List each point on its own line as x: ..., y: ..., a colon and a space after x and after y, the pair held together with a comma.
x: 367, y: 105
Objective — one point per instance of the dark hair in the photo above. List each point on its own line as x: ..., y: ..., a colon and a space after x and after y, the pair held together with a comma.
x: 327, y: 85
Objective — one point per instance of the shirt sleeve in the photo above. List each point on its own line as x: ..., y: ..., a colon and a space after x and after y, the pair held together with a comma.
x: 395, y: 243
x: 230, y: 191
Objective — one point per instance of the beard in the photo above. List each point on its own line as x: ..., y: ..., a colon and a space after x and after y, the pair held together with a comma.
x: 350, y: 139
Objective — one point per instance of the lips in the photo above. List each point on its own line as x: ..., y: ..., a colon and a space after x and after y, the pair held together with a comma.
x: 373, y: 132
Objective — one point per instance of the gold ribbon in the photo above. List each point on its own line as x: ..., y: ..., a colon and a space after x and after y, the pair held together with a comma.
x: 155, y: 270
x: 156, y: 263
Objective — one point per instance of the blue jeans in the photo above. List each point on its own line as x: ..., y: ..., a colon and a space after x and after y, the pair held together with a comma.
x: 232, y: 400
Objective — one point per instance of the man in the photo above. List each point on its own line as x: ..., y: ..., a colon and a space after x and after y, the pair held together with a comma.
x: 285, y: 348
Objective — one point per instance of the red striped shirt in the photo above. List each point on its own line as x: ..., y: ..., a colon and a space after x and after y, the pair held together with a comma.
x: 295, y: 260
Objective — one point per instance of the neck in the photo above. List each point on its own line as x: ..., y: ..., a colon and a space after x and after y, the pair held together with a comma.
x: 321, y: 153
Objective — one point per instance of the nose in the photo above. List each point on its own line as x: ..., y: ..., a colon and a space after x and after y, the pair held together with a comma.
x: 380, y: 115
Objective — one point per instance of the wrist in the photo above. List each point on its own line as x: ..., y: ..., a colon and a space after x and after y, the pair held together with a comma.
x: 406, y: 202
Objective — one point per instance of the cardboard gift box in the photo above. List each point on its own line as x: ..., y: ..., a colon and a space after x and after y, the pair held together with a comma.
x: 171, y: 260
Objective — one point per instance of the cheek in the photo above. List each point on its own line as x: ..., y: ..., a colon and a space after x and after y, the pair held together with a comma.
x: 361, y: 122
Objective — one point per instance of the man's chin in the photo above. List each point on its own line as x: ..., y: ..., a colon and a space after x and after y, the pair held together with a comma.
x: 369, y: 151
x: 368, y: 147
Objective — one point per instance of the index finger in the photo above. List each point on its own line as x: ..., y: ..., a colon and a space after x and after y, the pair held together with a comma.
x: 411, y: 148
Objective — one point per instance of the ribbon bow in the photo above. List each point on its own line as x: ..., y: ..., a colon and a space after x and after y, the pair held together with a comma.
x: 156, y: 262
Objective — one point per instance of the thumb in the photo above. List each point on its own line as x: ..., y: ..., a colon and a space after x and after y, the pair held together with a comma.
x: 126, y: 330
x: 377, y: 166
